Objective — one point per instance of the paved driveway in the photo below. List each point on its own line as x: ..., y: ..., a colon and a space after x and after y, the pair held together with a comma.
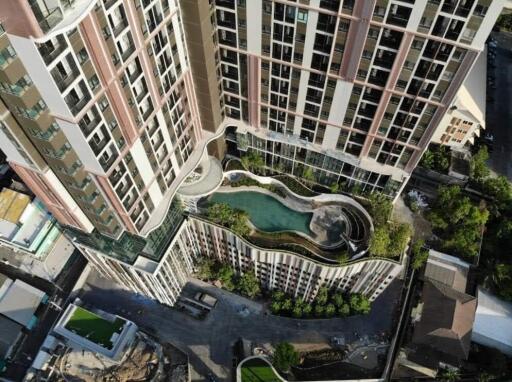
x: 209, y: 342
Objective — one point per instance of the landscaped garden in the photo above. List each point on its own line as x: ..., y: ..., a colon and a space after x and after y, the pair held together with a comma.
x: 93, y: 327
x: 257, y: 370
x: 327, y: 304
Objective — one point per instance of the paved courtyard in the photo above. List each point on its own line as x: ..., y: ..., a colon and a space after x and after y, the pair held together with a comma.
x: 209, y: 342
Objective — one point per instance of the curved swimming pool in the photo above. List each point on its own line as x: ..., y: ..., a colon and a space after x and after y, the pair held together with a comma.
x: 266, y: 213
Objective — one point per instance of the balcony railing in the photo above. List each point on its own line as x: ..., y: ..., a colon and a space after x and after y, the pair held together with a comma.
x: 63, y: 81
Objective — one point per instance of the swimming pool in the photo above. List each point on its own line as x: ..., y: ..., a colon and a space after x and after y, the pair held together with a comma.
x: 266, y: 212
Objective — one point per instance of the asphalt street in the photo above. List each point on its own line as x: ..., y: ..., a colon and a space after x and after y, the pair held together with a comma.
x: 209, y: 342
x: 499, y: 109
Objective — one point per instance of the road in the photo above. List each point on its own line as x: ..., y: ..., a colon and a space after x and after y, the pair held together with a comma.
x: 209, y: 342
x: 47, y: 315
x: 499, y: 111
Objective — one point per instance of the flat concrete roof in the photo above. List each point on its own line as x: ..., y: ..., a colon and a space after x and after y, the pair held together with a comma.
x: 9, y: 332
x: 20, y: 301
x: 12, y: 205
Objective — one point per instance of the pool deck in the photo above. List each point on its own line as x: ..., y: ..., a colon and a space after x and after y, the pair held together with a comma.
x: 326, y: 223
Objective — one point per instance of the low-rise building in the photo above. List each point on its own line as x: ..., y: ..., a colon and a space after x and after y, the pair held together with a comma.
x: 19, y: 309
x: 10, y: 336
x: 442, y: 320
x: 493, y: 322
x: 98, y: 331
x: 19, y: 302
x: 30, y: 237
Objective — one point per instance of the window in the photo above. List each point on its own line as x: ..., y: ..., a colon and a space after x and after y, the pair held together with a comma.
x: 302, y: 16
x: 82, y: 56
x: 94, y: 82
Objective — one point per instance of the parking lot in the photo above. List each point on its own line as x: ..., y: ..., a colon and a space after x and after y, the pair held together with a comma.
x: 209, y: 341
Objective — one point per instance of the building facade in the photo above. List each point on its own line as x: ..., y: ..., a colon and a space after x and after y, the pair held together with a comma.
x: 107, y: 106
x: 353, y: 89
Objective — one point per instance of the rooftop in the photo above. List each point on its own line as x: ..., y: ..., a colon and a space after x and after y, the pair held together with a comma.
x: 9, y: 333
x: 447, y: 270
x: 94, y: 328
x: 493, y: 322
x: 12, y: 205
x: 19, y: 301
x: 97, y: 331
x: 446, y: 320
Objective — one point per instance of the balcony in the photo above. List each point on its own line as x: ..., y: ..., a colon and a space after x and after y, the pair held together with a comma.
x: 119, y: 27
x: 126, y: 52
x: 58, y: 15
x: 87, y: 125
x: 63, y: 80
x: 76, y: 100
x: 52, y: 49
x: 384, y: 59
x: 106, y: 160
x: 135, y: 73
x: 46, y: 16
x: 141, y: 93
x: 99, y: 140
x: 399, y: 15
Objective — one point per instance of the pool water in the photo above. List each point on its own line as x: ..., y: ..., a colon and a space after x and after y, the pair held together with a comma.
x: 266, y: 212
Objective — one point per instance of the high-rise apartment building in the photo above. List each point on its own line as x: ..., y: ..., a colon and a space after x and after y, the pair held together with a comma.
x: 107, y: 106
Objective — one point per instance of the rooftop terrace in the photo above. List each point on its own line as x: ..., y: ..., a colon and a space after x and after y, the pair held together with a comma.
x: 94, y: 328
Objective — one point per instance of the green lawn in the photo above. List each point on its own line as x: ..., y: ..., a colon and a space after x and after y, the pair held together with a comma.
x: 256, y: 370
x: 94, y: 328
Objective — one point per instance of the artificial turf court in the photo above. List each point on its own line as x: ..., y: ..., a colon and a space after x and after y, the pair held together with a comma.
x: 256, y: 370
x: 93, y: 327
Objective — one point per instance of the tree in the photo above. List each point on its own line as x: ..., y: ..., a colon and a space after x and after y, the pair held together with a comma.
x: 307, y: 310
x: 236, y: 220
x: 319, y: 310
x: 297, y: 311
x: 240, y: 225
x: 419, y: 254
x: 287, y: 305
x: 285, y: 356
x: 248, y: 285
x: 275, y: 307
x: 428, y: 160
x: 225, y: 275
x: 360, y: 304
x: 330, y: 310
x: 219, y: 213
x: 322, y: 296
x: 380, y: 208
x: 478, y: 164
x: 499, y: 189
x: 449, y: 375
x: 502, y: 279
x: 205, y: 269
x: 335, y: 187
x: 344, y: 310
x: 308, y: 175
x: 457, y: 221
x: 337, y: 299
x: 379, y: 242
x: 399, y: 237
x: 278, y: 295
x: 436, y: 158
x: 254, y: 162
x: 505, y: 21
